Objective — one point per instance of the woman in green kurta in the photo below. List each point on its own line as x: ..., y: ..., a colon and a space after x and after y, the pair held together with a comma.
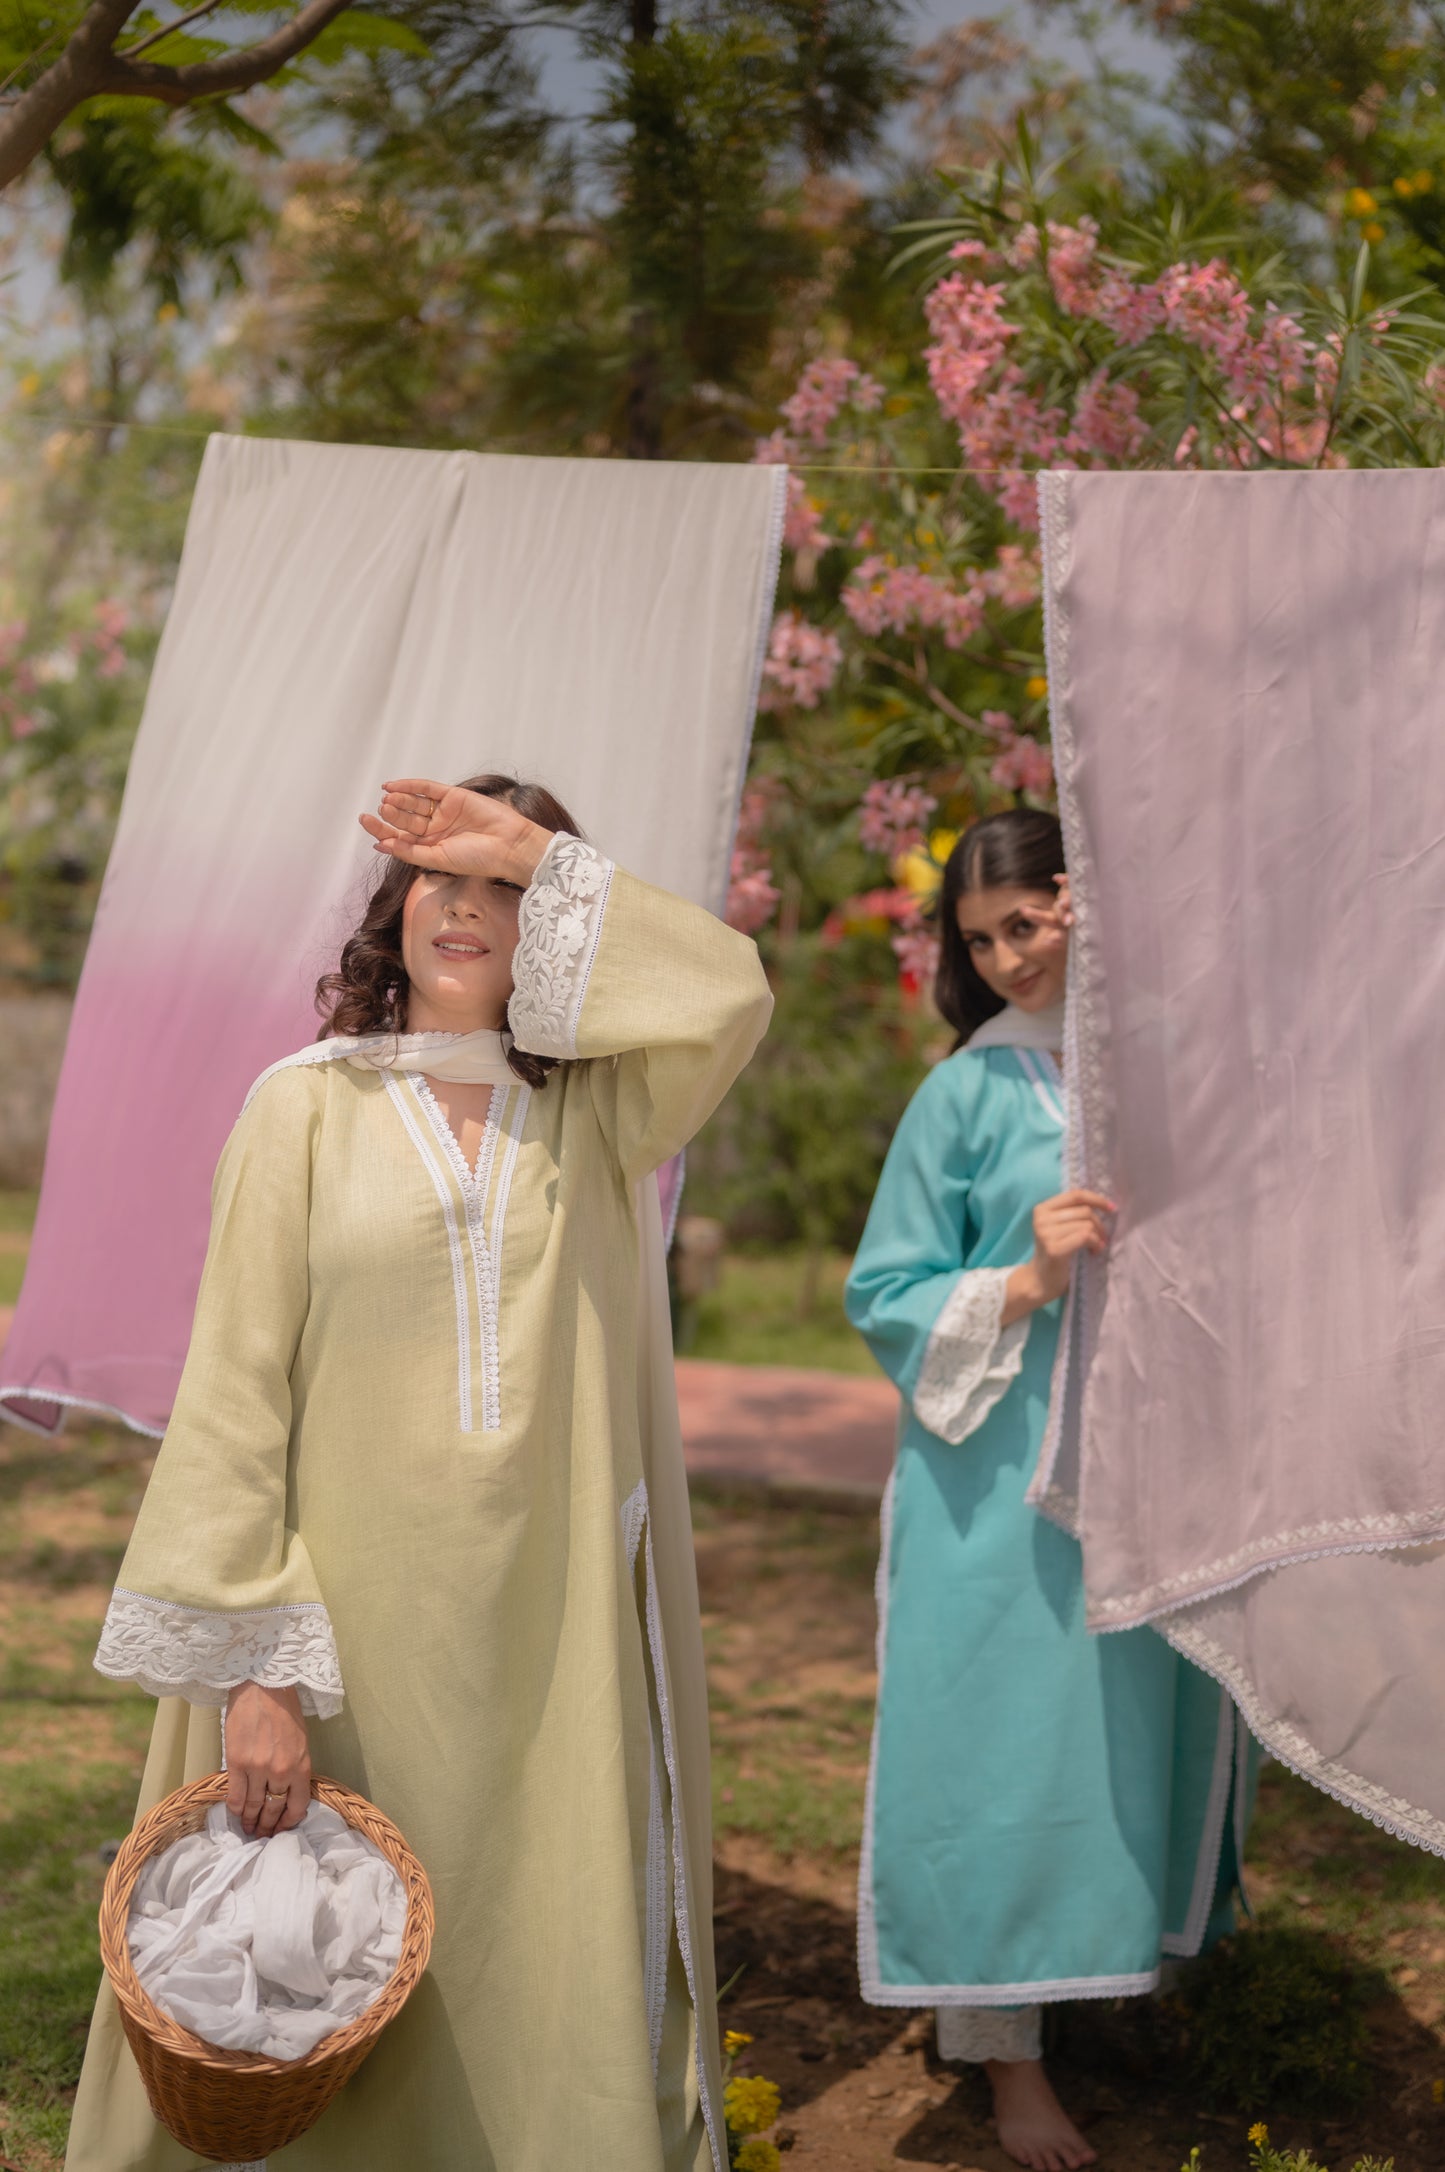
x: 419, y: 1516
x: 1049, y: 1812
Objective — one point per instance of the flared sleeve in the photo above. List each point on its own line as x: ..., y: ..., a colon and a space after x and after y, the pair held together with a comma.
x: 663, y: 1002
x: 215, y: 1589
x: 933, y: 1322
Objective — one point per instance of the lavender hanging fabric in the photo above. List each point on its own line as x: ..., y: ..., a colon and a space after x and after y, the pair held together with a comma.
x: 1248, y: 1424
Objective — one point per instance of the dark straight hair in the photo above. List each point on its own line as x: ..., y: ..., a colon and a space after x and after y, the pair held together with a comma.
x: 368, y: 991
x: 1022, y: 849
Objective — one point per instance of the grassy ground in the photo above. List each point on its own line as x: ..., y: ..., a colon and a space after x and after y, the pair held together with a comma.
x: 17, y: 1212
x: 758, y: 1315
x: 1350, y: 1931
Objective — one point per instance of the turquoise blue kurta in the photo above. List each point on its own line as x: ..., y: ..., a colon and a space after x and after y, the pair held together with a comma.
x: 1048, y: 1810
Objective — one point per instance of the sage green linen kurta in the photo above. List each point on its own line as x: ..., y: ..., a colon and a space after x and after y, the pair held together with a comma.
x: 424, y: 1463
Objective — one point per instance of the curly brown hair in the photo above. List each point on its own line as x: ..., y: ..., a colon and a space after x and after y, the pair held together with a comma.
x: 368, y: 991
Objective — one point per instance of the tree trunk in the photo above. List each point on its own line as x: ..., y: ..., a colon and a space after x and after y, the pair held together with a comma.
x: 643, y: 416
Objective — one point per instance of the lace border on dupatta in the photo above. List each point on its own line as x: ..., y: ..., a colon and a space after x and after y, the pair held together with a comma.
x: 559, y: 923
x: 190, y: 1652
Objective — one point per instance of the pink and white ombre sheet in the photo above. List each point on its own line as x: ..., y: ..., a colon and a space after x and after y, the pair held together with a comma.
x: 344, y: 614
x: 1248, y: 1427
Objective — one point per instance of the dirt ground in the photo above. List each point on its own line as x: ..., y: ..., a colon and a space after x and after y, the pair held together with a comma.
x: 788, y: 1608
x: 789, y: 1616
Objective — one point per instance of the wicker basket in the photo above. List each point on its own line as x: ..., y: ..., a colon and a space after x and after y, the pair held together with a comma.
x: 237, y: 2105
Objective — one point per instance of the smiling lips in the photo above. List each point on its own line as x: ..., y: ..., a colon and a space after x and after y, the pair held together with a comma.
x: 459, y: 946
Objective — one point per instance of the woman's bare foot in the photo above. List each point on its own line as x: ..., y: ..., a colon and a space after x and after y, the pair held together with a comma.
x: 1032, y: 2124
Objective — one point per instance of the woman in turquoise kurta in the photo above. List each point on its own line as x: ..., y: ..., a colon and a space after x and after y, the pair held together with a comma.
x: 1049, y: 1812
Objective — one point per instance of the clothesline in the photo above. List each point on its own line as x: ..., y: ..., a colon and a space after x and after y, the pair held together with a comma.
x: 802, y: 467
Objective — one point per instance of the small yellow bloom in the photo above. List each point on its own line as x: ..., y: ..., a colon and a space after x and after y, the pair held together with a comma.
x: 921, y: 870
x: 167, y: 313
x: 1403, y: 185
x: 1424, y: 181
x: 1037, y: 687
x: 1373, y: 231
x: 750, y: 2104
x: 1360, y: 203
x: 1259, y: 2132
x: 733, y: 2042
x: 29, y: 384
x: 1437, y: 2092
x: 756, y: 2156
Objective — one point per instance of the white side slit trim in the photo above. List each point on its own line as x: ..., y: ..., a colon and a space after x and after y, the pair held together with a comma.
x: 1186, y: 1943
x: 659, y: 1897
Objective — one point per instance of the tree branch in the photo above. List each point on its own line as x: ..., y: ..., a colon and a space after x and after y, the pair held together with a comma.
x: 39, y: 111
x: 168, y: 30
x: 90, y: 67
x: 227, y: 72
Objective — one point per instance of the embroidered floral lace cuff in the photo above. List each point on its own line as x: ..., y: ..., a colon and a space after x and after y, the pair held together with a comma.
x: 187, y: 1651
x: 559, y: 922
x: 970, y: 1360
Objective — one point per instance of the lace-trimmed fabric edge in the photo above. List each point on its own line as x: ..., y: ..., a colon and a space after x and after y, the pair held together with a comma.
x: 560, y: 924
x: 170, y: 1650
x: 1391, y: 1813
x: 970, y: 1361
x: 975, y: 2033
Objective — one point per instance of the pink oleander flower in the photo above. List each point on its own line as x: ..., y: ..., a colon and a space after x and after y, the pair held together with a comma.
x: 997, y: 722
x: 970, y: 336
x: 822, y: 392
x: 1015, y: 578
x: 893, y: 817
x: 1107, y: 422
x: 752, y: 894
x: 1130, y: 310
x: 803, y: 528
x: 1073, y: 273
x: 1023, y: 765
x: 801, y: 664
x: 916, y: 950
x: 963, y: 250
x: 775, y: 451
x: 880, y: 598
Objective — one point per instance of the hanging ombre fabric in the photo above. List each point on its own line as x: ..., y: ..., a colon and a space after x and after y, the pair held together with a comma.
x: 344, y: 614
x: 1248, y: 1428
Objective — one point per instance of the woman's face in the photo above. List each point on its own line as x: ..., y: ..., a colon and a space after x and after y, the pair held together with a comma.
x: 1018, y: 946
x: 458, y: 933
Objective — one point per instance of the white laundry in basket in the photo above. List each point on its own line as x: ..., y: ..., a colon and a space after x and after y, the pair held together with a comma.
x: 267, y: 1945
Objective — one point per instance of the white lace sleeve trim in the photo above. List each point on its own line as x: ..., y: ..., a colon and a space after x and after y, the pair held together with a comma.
x: 970, y: 1361
x: 187, y: 1651
x: 976, y: 2033
x: 559, y: 922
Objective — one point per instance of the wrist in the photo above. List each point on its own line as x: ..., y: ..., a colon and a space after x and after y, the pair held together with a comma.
x: 1024, y: 1293
x: 526, y: 849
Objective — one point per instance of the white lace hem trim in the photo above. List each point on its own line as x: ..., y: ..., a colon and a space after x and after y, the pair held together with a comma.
x: 971, y: 1361
x: 191, y: 1652
x: 559, y: 923
x: 976, y: 2033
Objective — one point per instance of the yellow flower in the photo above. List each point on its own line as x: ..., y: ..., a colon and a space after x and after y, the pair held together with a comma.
x: 733, y: 2042
x: 167, y: 313
x: 756, y: 2156
x: 921, y: 870
x: 1373, y: 231
x: 1437, y: 2092
x: 750, y: 2103
x: 1403, y: 185
x: 29, y: 384
x: 1360, y: 203
x: 1036, y: 687
x: 1259, y: 2132
x: 1424, y: 181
